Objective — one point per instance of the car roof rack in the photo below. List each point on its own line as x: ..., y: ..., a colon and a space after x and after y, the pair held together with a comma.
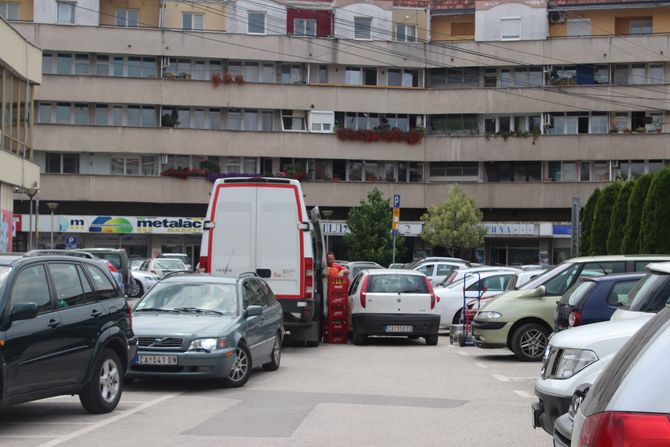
x: 60, y: 252
x: 248, y: 275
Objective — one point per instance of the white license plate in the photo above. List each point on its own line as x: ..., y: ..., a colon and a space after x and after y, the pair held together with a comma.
x: 156, y: 360
x: 398, y: 328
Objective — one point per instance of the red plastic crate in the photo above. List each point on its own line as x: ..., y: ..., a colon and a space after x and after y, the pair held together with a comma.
x: 337, y: 312
x: 338, y: 300
x: 338, y: 283
x: 337, y: 338
x: 337, y: 325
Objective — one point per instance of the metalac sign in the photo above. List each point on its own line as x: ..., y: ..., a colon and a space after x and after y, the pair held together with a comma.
x: 126, y: 225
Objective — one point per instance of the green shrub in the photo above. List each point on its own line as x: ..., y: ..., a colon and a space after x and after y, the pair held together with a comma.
x: 602, y: 218
x: 631, y: 233
x: 656, y: 216
x: 618, y: 219
x: 587, y: 223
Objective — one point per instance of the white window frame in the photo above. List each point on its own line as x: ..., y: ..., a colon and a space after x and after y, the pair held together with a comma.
x: 73, y: 14
x: 510, y: 20
x: 321, y: 121
x: 293, y: 114
x: 5, y: 10
x: 357, y: 28
x: 579, y: 27
x: 265, y: 27
x: 300, y: 22
x: 406, y: 36
x: 193, y: 16
x: 125, y: 14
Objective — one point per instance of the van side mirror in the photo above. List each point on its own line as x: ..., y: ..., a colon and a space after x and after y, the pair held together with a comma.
x: 539, y: 292
x: 254, y: 311
x: 23, y: 311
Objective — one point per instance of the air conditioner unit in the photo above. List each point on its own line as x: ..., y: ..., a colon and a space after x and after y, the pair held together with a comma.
x: 547, y: 120
x: 556, y: 17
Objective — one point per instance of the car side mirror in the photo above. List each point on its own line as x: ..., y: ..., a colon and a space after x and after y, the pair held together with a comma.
x: 578, y: 397
x: 23, y: 311
x: 539, y: 292
x: 254, y: 311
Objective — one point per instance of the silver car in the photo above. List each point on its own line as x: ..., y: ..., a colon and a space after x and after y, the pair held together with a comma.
x: 201, y: 326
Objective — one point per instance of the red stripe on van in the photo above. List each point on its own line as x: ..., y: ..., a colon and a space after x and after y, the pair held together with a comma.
x: 302, y: 244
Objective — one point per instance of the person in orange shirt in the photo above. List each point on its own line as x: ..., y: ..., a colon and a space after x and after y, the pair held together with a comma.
x: 333, y: 268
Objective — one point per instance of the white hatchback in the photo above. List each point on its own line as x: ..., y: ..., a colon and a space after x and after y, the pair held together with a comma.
x: 393, y: 302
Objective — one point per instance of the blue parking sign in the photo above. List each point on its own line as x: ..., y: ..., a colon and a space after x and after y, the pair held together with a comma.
x: 396, y: 200
x: 70, y: 242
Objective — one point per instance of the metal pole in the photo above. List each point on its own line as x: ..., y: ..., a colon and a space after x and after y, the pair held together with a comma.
x: 394, y: 247
x: 52, y: 229
x: 30, y: 225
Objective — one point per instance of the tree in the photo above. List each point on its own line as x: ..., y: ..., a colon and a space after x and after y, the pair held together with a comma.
x: 587, y: 223
x: 631, y: 233
x: 602, y: 218
x: 369, y: 237
x: 454, y: 224
x: 618, y: 219
x: 656, y: 216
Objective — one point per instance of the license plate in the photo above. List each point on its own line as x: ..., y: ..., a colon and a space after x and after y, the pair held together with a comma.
x: 398, y: 328
x: 156, y: 360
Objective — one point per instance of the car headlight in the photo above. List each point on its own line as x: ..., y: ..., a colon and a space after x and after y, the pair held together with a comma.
x: 489, y: 315
x: 208, y: 344
x: 574, y: 360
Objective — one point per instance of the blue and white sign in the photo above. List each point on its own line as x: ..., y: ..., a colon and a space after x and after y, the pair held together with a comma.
x: 70, y: 241
x: 396, y: 200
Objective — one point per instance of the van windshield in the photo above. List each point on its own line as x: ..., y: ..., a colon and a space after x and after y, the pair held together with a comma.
x: 4, y: 273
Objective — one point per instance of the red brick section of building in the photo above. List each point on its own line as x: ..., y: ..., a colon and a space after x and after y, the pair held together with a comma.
x: 597, y: 2
x: 323, y: 17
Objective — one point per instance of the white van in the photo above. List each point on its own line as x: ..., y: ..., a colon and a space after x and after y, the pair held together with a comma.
x: 261, y: 225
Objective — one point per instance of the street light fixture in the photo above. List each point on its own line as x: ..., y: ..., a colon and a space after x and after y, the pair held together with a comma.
x: 31, y: 192
x: 52, y: 207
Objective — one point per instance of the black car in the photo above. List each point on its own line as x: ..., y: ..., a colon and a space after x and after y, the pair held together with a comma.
x: 65, y: 329
x: 593, y: 299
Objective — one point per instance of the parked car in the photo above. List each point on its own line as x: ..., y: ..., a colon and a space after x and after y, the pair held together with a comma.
x: 578, y: 355
x: 162, y: 266
x: 458, y: 274
x: 119, y: 258
x: 438, y: 271
x: 629, y: 404
x: 522, y: 320
x: 135, y: 264
x: 487, y: 284
x: 66, y: 330
x: 397, y: 265
x: 143, y: 280
x: 209, y: 327
x: 183, y: 257
x: 418, y: 262
x: 524, y: 276
x: 355, y: 267
x: 392, y: 302
x: 593, y: 299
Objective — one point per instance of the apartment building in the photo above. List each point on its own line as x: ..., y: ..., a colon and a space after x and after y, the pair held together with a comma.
x: 524, y: 104
x: 19, y: 73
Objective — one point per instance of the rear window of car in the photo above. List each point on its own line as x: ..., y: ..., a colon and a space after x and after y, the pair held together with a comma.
x: 397, y: 284
x: 650, y: 294
x: 576, y: 294
x: 169, y: 264
x: 111, y: 257
x: 619, y: 293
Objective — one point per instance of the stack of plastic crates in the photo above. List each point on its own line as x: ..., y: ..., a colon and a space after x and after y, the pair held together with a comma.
x: 337, y: 328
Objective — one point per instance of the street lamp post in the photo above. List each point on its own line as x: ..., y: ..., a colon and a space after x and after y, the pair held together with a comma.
x: 52, y: 207
x: 30, y: 192
x: 327, y: 214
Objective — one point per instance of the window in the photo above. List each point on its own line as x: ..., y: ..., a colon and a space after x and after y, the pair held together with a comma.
x: 126, y: 166
x: 293, y: 120
x: 268, y: 73
x: 44, y: 113
x: 81, y: 114
x: 304, y: 27
x: 463, y: 29
x: 47, y: 61
x: 291, y: 74
x: 70, y: 163
x: 65, y: 12
x: 69, y: 287
x: 9, y: 10
x: 251, y: 72
x: 362, y: 28
x: 58, y: 163
x: 63, y: 113
x: 234, y: 121
x: 510, y: 28
x: 642, y: 26
x: 148, y: 165
x: 127, y: 17
x: 405, y: 33
x: 323, y: 74
x: 251, y: 120
x: 102, y: 285
x: 102, y: 65
x: 256, y: 22
x: 64, y: 63
x: 31, y: 286
x: 579, y: 27
x: 370, y: 76
x: 599, y: 124
x: 117, y: 115
x: 322, y: 122
x: 619, y: 293
x: 192, y: 21
x: 352, y: 76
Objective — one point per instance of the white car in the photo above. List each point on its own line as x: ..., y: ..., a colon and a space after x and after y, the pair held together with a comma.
x: 438, y: 271
x: 481, y: 285
x: 143, y: 282
x: 162, y: 266
x: 392, y: 302
x: 578, y: 355
x: 459, y: 274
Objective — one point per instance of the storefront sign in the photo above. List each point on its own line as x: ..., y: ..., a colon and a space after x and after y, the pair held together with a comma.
x: 121, y: 224
x: 511, y: 229
x: 562, y: 230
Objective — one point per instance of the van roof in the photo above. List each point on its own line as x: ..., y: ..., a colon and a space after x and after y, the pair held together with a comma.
x: 259, y: 180
x: 659, y: 267
x: 611, y: 258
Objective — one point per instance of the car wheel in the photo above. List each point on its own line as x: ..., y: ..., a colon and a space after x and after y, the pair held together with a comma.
x: 458, y: 317
x: 359, y: 339
x: 529, y: 342
x: 241, y: 370
x: 135, y: 290
x: 431, y: 340
x: 102, y: 393
x: 273, y: 364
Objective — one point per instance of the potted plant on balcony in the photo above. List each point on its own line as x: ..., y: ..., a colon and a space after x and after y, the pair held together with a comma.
x: 170, y: 119
x: 627, y: 131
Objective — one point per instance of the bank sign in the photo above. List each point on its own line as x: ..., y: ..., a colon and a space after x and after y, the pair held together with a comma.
x: 120, y: 224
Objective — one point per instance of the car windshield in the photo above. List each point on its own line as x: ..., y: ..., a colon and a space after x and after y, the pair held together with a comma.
x: 135, y: 265
x: 169, y: 264
x: 356, y: 270
x: 220, y: 298
x: 540, y: 280
x: 397, y: 284
x: 577, y: 293
x: 111, y: 257
x: 4, y: 272
x: 650, y: 294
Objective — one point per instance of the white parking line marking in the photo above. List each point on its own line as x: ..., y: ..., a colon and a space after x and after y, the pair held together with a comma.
x: 27, y: 436
x: 111, y: 420
x: 524, y: 394
x: 465, y: 354
x: 500, y: 378
x: 481, y: 365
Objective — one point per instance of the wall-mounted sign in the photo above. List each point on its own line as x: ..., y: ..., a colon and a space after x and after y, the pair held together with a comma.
x: 120, y: 224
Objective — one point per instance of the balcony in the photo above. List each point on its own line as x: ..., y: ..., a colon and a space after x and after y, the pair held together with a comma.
x: 326, y: 194
x: 90, y: 89
x: 137, y: 140
x: 112, y: 40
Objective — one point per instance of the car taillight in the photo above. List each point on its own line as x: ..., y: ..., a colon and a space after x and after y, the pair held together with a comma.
x: 575, y: 318
x: 112, y: 268
x: 625, y: 430
x: 309, y: 278
x: 364, y: 291
x: 204, y: 264
x: 432, y: 294
x: 451, y: 278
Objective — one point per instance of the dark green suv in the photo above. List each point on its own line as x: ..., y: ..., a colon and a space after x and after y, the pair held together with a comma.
x: 65, y: 328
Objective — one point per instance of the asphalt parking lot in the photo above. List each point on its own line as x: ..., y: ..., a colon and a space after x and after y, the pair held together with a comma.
x: 392, y: 392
